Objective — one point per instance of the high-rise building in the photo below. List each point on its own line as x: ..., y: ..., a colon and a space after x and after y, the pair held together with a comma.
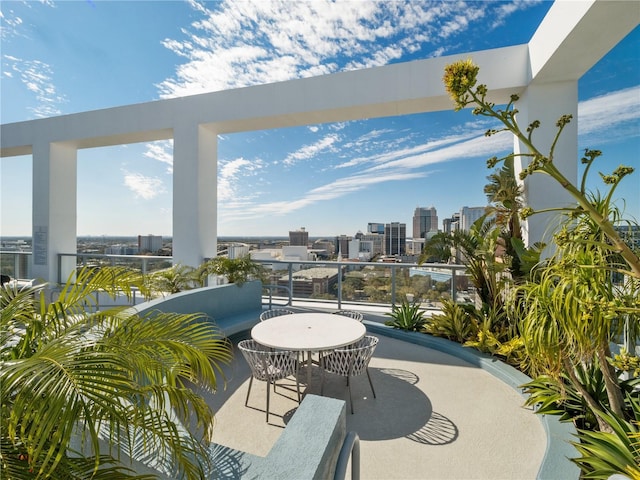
x: 468, y: 216
x: 299, y: 238
x: 375, y: 228
x: 425, y: 220
x: 342, y: 245
x: 149, y: 243
x: 395, y: 238
x: 452, y: 224
x: 374, y: 242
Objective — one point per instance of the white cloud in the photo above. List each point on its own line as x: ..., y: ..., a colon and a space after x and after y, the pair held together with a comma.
x: 241, y: 43
x: 142, y: 186
x: 10, y: 24
x: 231, y: 173
x: 161, y: 151
x: 603, y: 114
x: 330, y: 191
x: 310, y: 151
x: 37, y: 77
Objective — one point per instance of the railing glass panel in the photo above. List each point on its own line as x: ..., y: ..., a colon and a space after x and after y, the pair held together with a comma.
x: 372, y: 283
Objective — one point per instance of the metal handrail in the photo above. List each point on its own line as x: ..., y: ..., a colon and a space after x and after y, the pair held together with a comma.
x: 350, y: 450
x: 271, y: 288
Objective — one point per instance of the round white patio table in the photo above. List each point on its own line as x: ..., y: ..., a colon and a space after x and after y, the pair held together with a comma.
x: 308, y: 332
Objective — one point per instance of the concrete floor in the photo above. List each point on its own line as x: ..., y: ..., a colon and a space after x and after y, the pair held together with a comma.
x: 435, y: 417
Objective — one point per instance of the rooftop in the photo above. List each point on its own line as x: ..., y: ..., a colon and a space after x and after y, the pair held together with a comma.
x: 436, y: 416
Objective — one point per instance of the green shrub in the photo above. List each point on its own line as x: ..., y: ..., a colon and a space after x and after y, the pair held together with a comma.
x: 457, y: 322
x: 603, y: 454
x: 407, y: 316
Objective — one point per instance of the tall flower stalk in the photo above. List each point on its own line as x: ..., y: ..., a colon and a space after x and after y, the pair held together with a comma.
x: 460, y: 81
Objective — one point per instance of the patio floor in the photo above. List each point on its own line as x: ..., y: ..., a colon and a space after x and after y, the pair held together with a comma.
x: 435, y: 417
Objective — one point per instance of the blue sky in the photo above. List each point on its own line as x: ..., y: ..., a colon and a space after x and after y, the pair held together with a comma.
x: 72, y: 56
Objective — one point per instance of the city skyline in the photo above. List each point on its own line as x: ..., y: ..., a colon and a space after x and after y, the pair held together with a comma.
x: 65, y: 57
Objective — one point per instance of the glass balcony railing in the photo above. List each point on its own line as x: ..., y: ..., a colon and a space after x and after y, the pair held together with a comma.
x: 373, y: 283
x: 331, y: 282
x: 340, y: 282
x: 16, y: 264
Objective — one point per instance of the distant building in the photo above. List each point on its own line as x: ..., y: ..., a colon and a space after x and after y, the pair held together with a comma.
x: 299, y: 238
x: 149, y: 243
x: 121, y: 250
x: 425, y: 220
x: 468, y: 216
x: 371, y: 242
x: 375, y: 228
x: 237, y: 250
x: 450, y: 225
x: 323, y: 248
x: 360, y: 250
x: 295, y: 252
x: 342, y: 245
x: 395, y: 238
x: 311, y: 281
x: 630, y: 234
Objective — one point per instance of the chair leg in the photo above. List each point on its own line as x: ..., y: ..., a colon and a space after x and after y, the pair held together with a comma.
x: 350, y: 397
x: 268, y: 399
x: 298, y: 387
x: 371, y: 383
x: 246, y: 402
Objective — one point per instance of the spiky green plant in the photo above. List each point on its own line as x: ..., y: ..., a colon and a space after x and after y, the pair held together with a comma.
x: 603, y: 454
x: 406, y: 316
x: 456, y: 322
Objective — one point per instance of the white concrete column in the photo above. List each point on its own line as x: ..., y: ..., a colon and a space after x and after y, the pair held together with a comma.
x: 54, y: 209
x: 195, y: 194
x: 547, y: 103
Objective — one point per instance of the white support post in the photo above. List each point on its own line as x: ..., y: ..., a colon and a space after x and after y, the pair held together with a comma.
x: 195, y: 194
x: 547, y: 103
x: 54, y: 209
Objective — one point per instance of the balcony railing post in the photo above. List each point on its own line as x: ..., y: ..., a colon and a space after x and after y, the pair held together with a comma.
x: 339, y: 285
x: 290, y: 283
x: 453, y: 285
x: 393, y: 285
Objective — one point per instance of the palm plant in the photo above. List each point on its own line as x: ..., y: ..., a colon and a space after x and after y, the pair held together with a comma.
x: 237, y: 270
x: 477, y: 247
x: 82, y: 389
x: 173, y: 280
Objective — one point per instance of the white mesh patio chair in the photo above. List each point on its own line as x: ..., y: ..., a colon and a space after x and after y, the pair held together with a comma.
x: 274, y: 312
x: 350, y: 313
x: 269, y: 366
x: 350, y: 361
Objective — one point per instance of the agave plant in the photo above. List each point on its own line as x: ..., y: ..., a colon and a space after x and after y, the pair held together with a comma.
x: 82, y: 389
x: 406, y: 316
